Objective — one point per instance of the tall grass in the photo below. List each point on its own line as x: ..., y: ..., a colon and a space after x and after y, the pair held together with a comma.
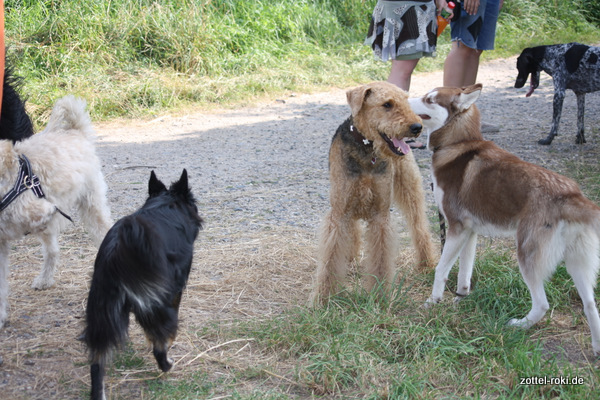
x: 130, y: 58
x: 525, y: 22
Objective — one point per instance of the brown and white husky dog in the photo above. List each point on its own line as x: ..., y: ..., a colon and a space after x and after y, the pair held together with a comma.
x: 483, y: 189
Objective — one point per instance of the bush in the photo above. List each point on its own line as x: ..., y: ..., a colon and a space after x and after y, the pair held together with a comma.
x: 591, y: 10
x: 128, y: 57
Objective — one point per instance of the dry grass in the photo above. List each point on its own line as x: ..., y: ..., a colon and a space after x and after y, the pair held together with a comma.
x: 234, y: 277
x: 250, y: 277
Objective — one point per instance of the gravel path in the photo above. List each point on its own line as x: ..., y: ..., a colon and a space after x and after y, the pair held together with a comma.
x: 267, y: 165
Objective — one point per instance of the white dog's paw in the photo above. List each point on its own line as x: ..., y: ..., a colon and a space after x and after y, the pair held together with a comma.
x: 596, y: 349
x: 523, y: 323
x: 41, y: 282
x: 430, y: 302
x: 457, y: 299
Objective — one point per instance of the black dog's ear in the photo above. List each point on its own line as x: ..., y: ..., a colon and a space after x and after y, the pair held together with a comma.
x: 155, y: 187
x: 534, y: 57
x: 181, y: 186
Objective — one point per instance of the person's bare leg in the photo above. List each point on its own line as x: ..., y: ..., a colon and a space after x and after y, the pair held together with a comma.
x: 461, y: 65
x: 460, y: 70
x: 401, y: 72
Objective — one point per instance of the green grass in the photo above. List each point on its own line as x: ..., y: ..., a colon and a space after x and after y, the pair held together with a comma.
x: 141, y: 58
x: 197, y: 385
x: 360, y: 346
x: 384, y: 345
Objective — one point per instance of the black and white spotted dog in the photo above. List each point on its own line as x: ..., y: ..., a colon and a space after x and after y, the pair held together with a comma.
x: 572, y: 66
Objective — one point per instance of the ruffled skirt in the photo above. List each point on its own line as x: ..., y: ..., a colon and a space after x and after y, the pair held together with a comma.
x: 403, y: 29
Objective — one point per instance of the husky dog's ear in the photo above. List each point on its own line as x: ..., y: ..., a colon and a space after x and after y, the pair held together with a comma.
x: 468, y: 96
x: 356, y: 98
x: 155, y: 187
x: 181, y: 186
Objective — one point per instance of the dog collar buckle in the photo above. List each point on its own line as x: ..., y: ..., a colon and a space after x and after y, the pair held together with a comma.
x: 27, y: 182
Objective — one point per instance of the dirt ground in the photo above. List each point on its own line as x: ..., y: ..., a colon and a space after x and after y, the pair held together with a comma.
x: 260, y: 175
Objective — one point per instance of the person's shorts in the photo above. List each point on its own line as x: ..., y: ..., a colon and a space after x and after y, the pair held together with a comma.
x: 477, y: 31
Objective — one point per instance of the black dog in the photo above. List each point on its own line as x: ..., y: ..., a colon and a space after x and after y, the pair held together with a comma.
x: 142, y: 267
x: 572, y: 66
x: 15, y: 123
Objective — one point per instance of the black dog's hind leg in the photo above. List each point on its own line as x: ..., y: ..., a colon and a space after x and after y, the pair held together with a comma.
x: 160, y: 354
x: 161, y: 346
x: 97, y: 375
x: 557, y: 104
x: 160, y: 327
x: 580, y: 113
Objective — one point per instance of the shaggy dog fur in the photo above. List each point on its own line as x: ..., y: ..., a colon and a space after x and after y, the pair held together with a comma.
x: 64, y: 159
x: 369, y: 164
x: 15, y: 123
x: 483, y: 189
x: 142, y: 267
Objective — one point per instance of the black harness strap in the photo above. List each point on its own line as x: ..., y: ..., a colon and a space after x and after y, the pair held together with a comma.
x: 26, y: 180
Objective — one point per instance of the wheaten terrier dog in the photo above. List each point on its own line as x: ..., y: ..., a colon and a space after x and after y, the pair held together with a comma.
x: 44, y: 177
x: 369, y: 164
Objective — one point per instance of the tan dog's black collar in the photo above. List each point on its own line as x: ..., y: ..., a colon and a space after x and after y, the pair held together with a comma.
x: 359, y: 137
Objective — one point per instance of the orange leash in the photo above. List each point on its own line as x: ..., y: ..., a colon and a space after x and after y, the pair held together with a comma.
x: 2, y: 51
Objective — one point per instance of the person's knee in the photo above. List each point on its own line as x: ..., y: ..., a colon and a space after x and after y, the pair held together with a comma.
x: 465, y: 50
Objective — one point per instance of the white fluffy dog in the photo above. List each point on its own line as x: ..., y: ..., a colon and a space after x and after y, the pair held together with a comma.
x: 64, y: 159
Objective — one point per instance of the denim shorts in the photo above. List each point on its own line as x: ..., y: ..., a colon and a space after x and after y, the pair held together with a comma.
x: 477, y: 31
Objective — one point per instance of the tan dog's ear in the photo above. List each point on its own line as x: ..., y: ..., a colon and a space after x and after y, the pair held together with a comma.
x: 468, y: 96
x: 356, y: 98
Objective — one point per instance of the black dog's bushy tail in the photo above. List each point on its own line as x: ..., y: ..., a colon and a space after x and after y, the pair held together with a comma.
x: 107, y: 319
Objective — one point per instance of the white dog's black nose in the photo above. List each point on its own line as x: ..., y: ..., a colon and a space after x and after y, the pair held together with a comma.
x: 415, y: 129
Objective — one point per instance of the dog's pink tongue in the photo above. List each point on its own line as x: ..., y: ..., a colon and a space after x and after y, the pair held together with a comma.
x: 530, y: 92
x: 401, y: 145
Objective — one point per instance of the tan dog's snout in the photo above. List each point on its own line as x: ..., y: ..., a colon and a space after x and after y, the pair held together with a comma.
x: 416, y: 129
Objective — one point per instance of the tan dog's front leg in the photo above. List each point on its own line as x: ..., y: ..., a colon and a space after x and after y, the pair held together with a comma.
x: 379, y: 255
x: 410, y: 197
x: 336, y: 244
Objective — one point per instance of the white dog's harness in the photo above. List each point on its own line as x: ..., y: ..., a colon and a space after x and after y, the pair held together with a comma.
x: 26, y: 180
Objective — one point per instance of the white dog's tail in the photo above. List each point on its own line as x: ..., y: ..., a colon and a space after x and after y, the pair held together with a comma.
x: 69, y: 113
